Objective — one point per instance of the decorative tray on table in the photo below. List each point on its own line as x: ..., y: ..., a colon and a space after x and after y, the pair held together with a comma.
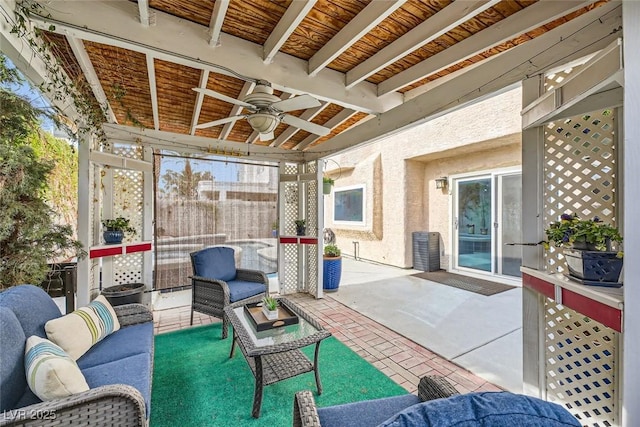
x: 286, y: 316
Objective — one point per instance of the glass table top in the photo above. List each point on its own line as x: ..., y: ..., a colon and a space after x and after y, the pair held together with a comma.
x: 275, y: 336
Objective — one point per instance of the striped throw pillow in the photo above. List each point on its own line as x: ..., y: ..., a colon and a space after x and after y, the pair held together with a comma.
x: 78, y: 331
x: 51, y: 373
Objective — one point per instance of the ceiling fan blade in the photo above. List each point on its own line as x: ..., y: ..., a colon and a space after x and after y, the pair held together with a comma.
x: 305, y: 125
x: 266, y: 136
x: 219, y: 122
x: 301, y: 102
x: 225, y: 98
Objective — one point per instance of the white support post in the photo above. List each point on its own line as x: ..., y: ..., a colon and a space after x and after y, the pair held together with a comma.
x: 147, y: 220
x: 83, y: 291
x: 320, y: 214
x: 302, y: 214
x: 106, y: 187
x: 631, y: 176
x: 532, y: 302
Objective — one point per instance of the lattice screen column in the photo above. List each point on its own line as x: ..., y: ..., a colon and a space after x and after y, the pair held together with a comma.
x: 580, y: 173
x: 298, y: 257
x: 581, y: 365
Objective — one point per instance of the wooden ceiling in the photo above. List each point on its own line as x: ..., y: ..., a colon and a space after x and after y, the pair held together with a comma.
x: 139, y: 61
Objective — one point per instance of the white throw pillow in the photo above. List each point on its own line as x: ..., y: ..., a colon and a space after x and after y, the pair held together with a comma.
x: 51, y: 373
x: 78, y: 331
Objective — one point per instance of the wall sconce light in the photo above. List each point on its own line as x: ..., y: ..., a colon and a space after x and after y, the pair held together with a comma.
x: 441, y: 183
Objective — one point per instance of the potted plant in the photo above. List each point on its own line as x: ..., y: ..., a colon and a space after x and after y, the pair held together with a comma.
x: 274, y: 229
x: 127, y: 293
x: 327, y: 183
x: 115, y: 229
x: 331, y: 268
x: 587, y: 250
x: 471, y: 228
x: 270, y: 307
x: 300, y: 227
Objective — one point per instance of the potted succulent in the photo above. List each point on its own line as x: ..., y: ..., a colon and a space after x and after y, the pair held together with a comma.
x: 270, y: 307
x: 115, y: 229
x: 300, y: 227
x: 587, y: 248
x: 331, y: 268
x: 327, y: 183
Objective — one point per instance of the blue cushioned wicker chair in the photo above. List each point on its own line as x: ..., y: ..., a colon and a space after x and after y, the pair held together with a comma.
x: 216, y: 283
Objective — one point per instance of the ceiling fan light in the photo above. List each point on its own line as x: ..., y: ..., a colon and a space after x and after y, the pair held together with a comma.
x: 263, y: 123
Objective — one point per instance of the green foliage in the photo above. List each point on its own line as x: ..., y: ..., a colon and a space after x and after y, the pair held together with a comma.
x: 571, y: 229
x: 185, y: 183
x: 327, y: 180
x: 118, y: 224
x: 29, y: 236
x: 270, y: 302
x: 332, y: 251
x: 300, y: 222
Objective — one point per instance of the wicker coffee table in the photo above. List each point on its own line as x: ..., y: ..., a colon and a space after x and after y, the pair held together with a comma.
x: 274, y: 355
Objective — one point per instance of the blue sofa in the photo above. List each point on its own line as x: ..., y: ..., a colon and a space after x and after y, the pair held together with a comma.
x: 117, y: 369
x: 437, y: 404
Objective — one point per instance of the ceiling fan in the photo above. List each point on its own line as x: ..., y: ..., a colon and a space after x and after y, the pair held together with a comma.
x: 267, y: 111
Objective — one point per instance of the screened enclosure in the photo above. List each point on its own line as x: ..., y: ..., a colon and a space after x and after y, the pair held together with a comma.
x: 207, y: 202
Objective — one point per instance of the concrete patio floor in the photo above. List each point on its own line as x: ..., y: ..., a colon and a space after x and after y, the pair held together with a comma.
x: 420, y: 328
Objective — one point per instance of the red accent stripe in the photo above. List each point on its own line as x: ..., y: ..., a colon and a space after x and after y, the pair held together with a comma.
x: 607, y: 315
x: 309, y: 240
x: 97, y: 253
x: 288, y: 240
x: 539, y: 285
x: 138, y: 248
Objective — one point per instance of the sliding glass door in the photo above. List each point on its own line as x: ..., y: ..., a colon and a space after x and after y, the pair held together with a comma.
x: 487, y: 218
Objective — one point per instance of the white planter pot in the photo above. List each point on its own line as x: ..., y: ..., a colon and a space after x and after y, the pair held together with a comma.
x: 271, y: 315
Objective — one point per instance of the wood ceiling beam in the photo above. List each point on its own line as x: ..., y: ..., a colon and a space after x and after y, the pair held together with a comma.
x: 79, y: 51
x: 153, y: 91
x: 292, y: 17
x: 437, y: 25
x: 579, y: 37
x: 204, y: 78
x: 217, y: 18
x: 143, y: 12
x: 181, y: 142
x: 374, y: 13
x: 519, y: 23
x: 332, y: 123
x: 182, y: 42
x: 292, y: 130
x: 247, y: 88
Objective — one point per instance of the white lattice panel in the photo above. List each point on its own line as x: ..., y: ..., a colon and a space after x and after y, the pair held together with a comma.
x: 580, y: 172
x: 580, y: 365
x: 289, y: 277
x: 128, y: 200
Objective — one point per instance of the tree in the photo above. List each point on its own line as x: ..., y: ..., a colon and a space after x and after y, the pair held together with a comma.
x: 185, y: 183
x: 29, y: 237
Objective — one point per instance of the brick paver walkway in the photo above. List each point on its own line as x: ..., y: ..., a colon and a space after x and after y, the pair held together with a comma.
x: 399, y: 358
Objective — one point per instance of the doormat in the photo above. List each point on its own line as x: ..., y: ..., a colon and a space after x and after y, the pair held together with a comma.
x: 471, y: 284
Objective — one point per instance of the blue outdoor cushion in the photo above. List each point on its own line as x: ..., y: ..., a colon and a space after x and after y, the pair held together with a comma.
x: 488, y: 409
x: 365, y: 414
x: 129, y: 341
x: 239, y: 289
x: 12, y: 375
x: 215, y: 263
x: 23, y: 301
x: 134, y: 371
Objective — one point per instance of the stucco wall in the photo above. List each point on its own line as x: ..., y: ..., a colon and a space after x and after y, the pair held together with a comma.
x: 399, y: 173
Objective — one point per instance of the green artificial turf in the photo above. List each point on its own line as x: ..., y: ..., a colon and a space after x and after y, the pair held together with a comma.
x: 196, y: 384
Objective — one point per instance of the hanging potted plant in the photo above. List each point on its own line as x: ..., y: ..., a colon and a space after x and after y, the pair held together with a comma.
x: 331, y: 268
x: 115, y: 229
x: 327, y: 183
x: 587, y: 248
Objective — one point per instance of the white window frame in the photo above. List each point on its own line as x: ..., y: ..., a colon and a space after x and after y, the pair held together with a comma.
x: 363, y: 187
